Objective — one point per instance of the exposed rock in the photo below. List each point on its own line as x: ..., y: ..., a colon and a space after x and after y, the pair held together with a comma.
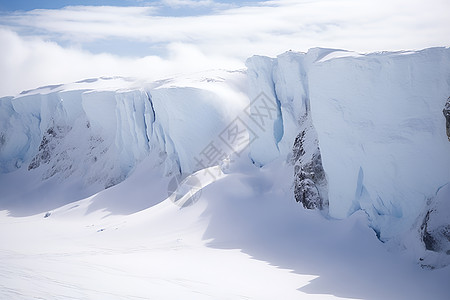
x: 427, y: 238
x: 435, y: 230
x: 446, y: 112
x: 49, y: 141
x: 60, y: 151
x: 2, y: 139
x: 309, y: 176
x: 435, y: 239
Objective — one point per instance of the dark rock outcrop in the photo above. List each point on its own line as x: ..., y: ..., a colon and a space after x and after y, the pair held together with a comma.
x: 309, y: 176
x: 48, y: 144
x: 435, y: 229
x: 446, y: 112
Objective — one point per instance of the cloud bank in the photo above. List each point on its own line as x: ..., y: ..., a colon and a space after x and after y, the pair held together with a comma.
x: 42, y: 47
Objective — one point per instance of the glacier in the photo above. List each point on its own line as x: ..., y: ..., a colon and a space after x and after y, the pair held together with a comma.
x: 111, y: 124
x: 96, y: 131
x: 379, y: 125
x: 367, y: 131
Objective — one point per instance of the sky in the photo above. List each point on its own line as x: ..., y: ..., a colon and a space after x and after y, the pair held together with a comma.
x: 51, y: 42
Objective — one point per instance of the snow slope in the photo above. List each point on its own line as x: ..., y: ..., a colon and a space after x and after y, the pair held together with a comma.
x: 249, y: 242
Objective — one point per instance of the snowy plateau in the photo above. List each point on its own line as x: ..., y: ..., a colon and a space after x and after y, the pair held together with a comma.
x: 318, y: 175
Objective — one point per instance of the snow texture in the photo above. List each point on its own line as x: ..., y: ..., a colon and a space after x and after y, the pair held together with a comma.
x: 375, y: 120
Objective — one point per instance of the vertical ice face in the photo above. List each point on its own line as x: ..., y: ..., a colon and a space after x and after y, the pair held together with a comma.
x: 292, y: 91
x: 101, y: 132
x: 264, y: 110
x: 285, y: 80
x: 188, y: 119
x: 26, y: 118
x: 98, y: 135
x: 283, y: 83
x: 15, y: 139
x: 378, y: 122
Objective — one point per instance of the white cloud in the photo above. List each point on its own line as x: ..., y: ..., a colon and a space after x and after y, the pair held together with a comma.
x: 223, y: 37
x: 30, y: 63
x: 190, y: 3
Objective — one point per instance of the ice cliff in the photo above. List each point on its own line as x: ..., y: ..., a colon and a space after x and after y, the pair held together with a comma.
x: 363, y: 132
x: 99, y: 129
x: 375, y: 121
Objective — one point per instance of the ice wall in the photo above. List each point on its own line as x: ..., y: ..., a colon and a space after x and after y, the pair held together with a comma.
x: 374, y: 122
x: 283, y: 82
x: 98, y: 130
x: 381, y: 131
x: 82, y: 132
x: 379, y: 123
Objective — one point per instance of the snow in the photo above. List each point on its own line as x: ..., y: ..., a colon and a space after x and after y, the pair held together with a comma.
x: 232, y: 229
x: 264, y: 148
x: 249, y: 242
x: 200, y: 109
x: 379, y: 123
x: 100, y: 129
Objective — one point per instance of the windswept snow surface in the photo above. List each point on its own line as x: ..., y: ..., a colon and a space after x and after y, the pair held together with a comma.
x: 251, y: 241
